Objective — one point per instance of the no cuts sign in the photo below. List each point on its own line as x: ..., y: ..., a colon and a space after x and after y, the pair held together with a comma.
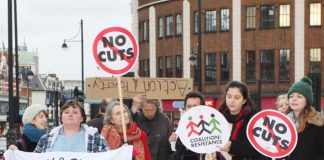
x: 272, y: 134
x: 115, y: 50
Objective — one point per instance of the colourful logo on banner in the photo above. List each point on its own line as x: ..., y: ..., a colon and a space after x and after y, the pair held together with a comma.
x: 214, y: 122
x: 203, y: 129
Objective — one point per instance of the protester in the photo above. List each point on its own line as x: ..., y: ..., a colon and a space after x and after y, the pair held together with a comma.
x: 282, y: 104
x: 308, y: 122
x: 238, y: 108
x: 191, y: 100
x: 35, y: 125
x: 98, y: 121
x: 73, y: 135
x: 112, y: 131
x: 156, y: 125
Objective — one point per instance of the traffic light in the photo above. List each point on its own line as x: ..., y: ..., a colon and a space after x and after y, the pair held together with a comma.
x: 78, y: 94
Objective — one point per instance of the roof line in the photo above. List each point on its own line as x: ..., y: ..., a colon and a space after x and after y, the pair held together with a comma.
x: 152, y: 3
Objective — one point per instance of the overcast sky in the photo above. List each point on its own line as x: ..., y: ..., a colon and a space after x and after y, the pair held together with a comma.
x: 43, y: 24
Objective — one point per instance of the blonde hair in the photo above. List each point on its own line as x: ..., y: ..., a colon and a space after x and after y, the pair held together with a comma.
x: 283, y: 96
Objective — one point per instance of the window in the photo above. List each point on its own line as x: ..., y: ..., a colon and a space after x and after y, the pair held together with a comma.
x: 267, y: 17
x: 169, y: 66
x: 284, y: 64
x: 267, y: 65
x: 145, y: 35
x: 179, y: 66
x: 284, y: 19
x: 224, y: 19
x: 210, y: 67
x: 146, y: 68
x: 250, y: 17
x: 178, y: 24
x: 224, y: 67
x: 141, y: 68
x: 315, y: 14
x: 315, y: 60
x: 210, y: 21
x: 168, y: 26
x: 196, y: 22
x: 160, y: 73
x: 161, y: 27
x: 140, y: 31
x: 250, y: 66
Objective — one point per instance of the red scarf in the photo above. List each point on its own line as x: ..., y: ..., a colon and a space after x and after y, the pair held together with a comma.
x: 114, y: 137
x: 237, y: 122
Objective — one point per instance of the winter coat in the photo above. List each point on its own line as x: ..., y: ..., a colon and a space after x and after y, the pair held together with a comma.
x: 97, y: 123
x: 310, y: 144
x: 25, y: 143
x: 182, y: 153
x: 158, y: 131
x: 241, y: 148
x: 94, y: 141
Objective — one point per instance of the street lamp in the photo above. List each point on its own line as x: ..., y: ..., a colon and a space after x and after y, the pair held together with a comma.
x: 64, y: 45
x: 29, y: 76
x: 193, y: 58
x: 196, y: 58
x: 199, y: 47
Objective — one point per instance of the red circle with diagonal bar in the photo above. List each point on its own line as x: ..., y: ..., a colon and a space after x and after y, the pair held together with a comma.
x: 265, y: 132
x: 115, y: 50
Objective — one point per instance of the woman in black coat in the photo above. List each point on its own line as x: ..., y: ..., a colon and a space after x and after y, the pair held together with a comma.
x: 308, y: 122
x: 238, y: 109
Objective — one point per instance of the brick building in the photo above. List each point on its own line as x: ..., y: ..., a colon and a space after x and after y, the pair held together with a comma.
x: 273, y: 42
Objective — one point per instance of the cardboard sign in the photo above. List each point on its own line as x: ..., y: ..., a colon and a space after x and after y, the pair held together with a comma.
x: 115, y: 50
x: 272, y: 134
x: 124, y: 152
x: 203, y: 129
x: 154, y: 88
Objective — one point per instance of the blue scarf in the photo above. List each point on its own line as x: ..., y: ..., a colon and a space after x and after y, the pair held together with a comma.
x: 34, y: 134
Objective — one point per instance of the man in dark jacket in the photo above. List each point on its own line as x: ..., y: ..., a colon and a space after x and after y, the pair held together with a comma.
x: 191, y: 100
x: 157, y: 126
x: 98, y: 121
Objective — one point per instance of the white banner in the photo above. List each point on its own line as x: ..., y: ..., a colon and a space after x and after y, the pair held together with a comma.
x: 123, y: 153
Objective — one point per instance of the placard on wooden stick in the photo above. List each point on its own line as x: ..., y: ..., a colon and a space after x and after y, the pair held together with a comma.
x: 115, y: 50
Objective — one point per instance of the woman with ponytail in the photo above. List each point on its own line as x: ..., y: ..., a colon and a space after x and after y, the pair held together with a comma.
x: 308, y: 122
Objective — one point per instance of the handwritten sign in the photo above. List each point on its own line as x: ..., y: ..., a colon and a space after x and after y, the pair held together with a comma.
x: 120, y: 153
x: 154, y: 88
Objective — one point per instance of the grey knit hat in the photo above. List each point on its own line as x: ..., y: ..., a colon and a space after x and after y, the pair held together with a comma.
x: 31, y: 112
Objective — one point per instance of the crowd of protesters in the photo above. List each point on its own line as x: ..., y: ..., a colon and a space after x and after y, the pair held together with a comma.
x: 151, y: 133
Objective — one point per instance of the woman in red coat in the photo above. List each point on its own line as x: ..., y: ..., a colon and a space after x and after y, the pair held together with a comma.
x: 112, y: 131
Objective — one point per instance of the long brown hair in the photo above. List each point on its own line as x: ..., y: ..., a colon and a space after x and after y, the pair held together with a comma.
x: 303, y: 117
x: 249, y: 105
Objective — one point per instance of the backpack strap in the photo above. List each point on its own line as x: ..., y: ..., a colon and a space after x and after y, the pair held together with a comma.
x: 23, y: 144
